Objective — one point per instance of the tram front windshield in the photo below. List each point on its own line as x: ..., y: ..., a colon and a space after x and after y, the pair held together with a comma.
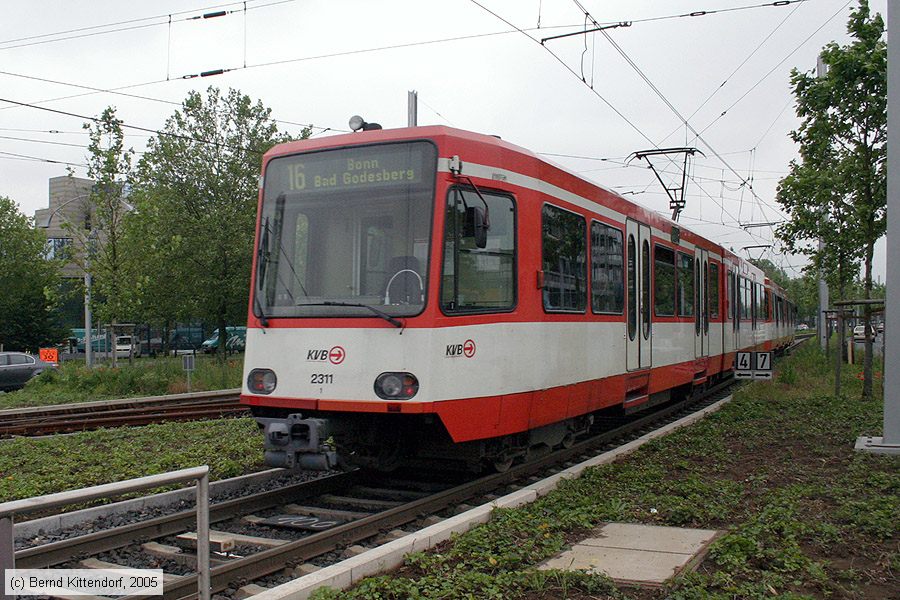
x: 346, y: 231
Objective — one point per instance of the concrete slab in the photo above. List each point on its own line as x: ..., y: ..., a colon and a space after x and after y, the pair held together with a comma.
x: 653, y: 538
x: 633, y: 553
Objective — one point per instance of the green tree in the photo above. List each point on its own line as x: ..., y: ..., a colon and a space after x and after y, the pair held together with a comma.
x: 196, y: 200
x: 803, y: 291
x: 838, y: 191
x: 29, y: 284
x: 104, y: 254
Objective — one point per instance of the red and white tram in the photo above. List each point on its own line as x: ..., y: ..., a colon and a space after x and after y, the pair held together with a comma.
x: 440, y: 294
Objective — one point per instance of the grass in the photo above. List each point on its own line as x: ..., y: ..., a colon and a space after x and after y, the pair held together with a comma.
x: 72, y: 382
x: 37, y: 466
x: 805, y: 516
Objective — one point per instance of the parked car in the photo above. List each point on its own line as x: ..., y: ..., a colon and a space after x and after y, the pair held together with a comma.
x: 18, y: 368
x: 235, y: 342
x: 859, y: 333
x: 880, y: 326
x: 125, y: 346
x: 802, y: 327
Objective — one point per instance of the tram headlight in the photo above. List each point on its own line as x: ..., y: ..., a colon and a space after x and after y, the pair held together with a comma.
x: 262, y: 381
x: 396, y: 386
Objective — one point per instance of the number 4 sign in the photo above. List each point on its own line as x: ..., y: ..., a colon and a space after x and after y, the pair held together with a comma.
x: 743, y: 365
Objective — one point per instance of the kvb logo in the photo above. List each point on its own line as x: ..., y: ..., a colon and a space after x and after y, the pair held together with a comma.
x: 466, y: 349
x: 335, y: 356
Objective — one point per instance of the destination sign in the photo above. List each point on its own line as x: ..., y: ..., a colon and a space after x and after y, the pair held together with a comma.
x: 351, y: 168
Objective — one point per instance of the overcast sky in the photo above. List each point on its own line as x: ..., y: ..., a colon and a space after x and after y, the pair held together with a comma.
x: 319, y: 62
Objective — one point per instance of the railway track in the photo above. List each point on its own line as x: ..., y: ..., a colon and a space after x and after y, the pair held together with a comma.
x: 322, y: 520
x: 65, y: 418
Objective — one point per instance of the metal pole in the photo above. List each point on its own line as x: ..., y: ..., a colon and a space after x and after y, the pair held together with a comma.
x: 412, y: 103
x: 203, y: 537
x: 7, y: 551
x: 839, y: 355
x: 890, y: 442
x: 88, y: 337
x: 822, y: 329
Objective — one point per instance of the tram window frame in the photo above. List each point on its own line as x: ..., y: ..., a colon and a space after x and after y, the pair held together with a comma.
x: 452, y: 308
x: 632, y: 300
x: 584, y: 280
x: 729, y: 292
x: 751, y: 288
x: 657, y: 280
x: 737, y: 299
x: 685, y: 275
x: 705, y: 287
x: 618, y: 294
x: 645, y: 288
x: 698, y: 292
x: 713, y: 290
x: 746, y: 300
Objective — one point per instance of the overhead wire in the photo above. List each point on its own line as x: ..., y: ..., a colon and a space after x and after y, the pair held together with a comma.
x: 41, y: 159
x: 129, y: 24
x: 117, y: 91
x: 669, y: 104
x: 136, y: 127
x: 698, y: 135
x: 567, y: 67
x: 739, y: 67
x: 773, y: 69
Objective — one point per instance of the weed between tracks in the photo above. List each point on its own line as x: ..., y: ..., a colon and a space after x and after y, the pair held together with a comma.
x: 806, y: 516
x: 36, y: 466
x: 72, y: 382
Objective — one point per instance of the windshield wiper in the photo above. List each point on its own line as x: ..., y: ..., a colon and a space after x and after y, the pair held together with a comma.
x: 379, y: 313
x: 262, y: 263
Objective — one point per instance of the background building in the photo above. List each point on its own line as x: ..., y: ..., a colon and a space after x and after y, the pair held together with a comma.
x: 69, y: 210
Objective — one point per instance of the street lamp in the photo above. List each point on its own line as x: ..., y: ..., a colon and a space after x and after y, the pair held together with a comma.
x: 92, y: 237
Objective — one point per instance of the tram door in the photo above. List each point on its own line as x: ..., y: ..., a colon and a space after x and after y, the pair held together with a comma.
x: 638, y: 332
x: 701, y: 313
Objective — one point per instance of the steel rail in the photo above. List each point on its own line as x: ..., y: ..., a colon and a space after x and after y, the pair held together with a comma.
x: 180, y: 409
x: 54, y: 553
x: 102, y: 405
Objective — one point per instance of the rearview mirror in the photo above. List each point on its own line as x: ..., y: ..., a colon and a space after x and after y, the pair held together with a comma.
x: 476, y: 226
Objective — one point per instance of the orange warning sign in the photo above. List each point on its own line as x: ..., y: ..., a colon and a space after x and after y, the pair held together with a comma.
x: 49, y: 355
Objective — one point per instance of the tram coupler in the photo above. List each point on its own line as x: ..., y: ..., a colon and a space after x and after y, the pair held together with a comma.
x: 297, y: 443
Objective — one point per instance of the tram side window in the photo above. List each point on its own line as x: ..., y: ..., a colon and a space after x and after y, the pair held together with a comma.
x: 746, y: 299
x: 664, y: 280
x: 564, y: 245
x: 713, y: 290
x: 479, y: 279
x: 685, y: 285
x: 607, y: 287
